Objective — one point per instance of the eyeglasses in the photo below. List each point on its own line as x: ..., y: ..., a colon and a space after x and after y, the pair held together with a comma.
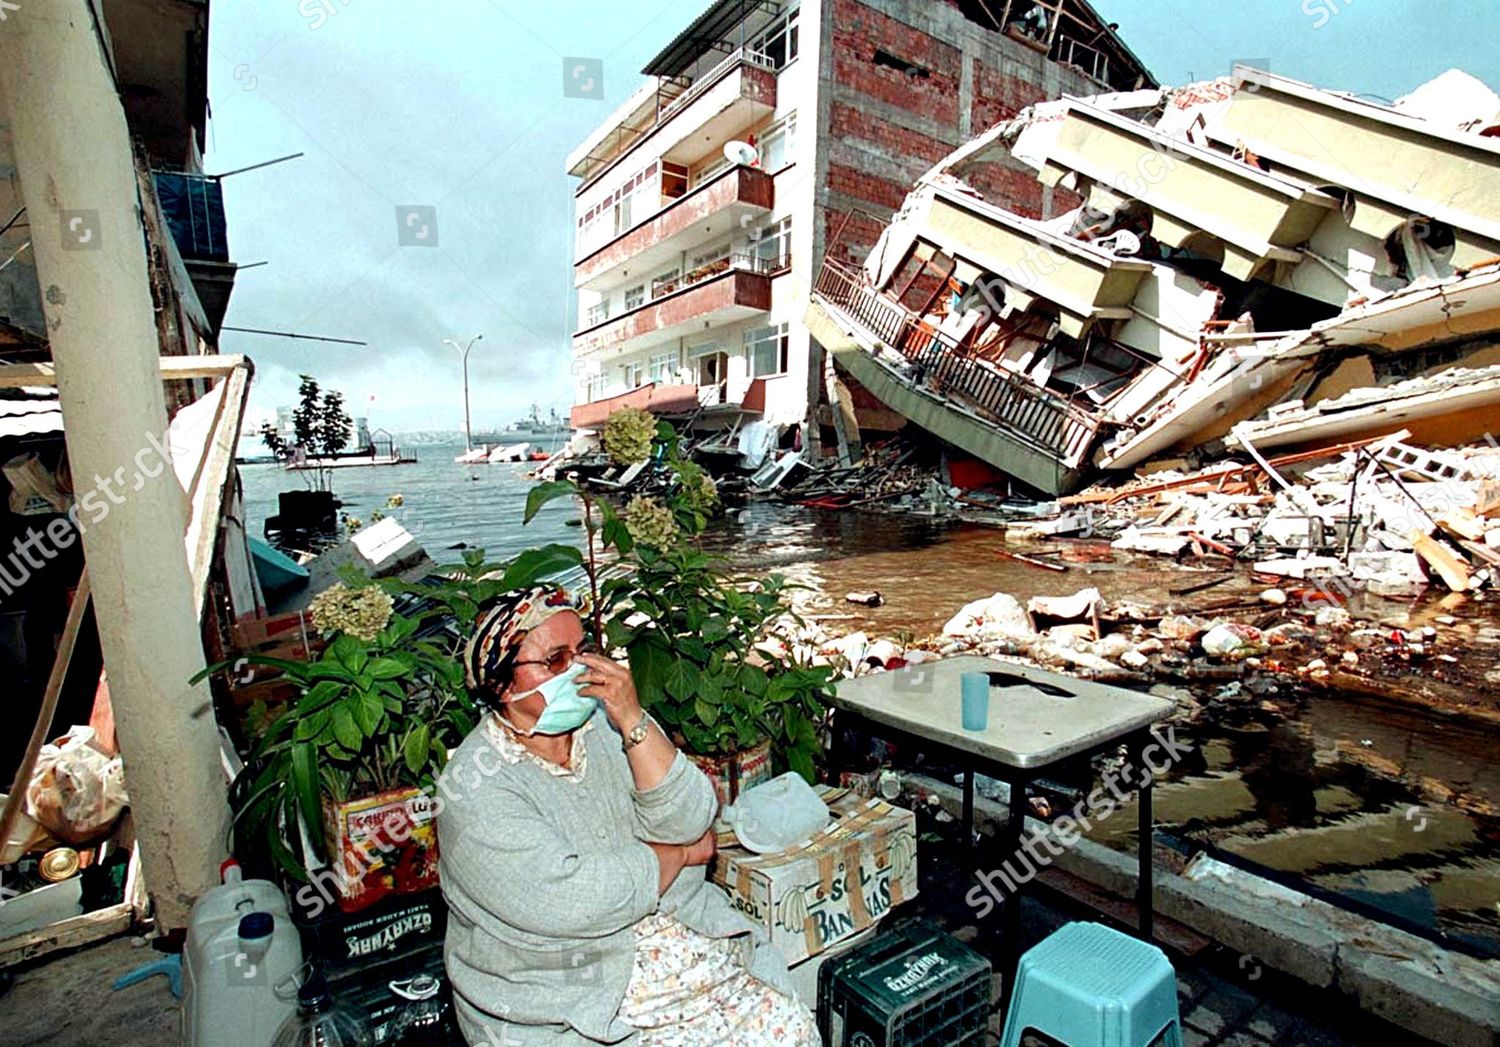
x: 559, y: 661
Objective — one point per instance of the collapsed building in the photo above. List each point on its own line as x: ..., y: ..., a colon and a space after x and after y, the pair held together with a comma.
x: 1250, y: 260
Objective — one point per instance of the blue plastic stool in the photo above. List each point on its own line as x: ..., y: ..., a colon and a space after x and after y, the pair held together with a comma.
x: 1090, y: 986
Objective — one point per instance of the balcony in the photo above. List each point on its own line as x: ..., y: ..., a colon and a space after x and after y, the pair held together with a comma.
x: 1259, y: 217
x: 1405, y: 165
x: 722, y: 292
x: 707, y: 213
x: 658, y: 399
x: 1084, y: 282
x: 1029, y: 432
x: 736, y: 93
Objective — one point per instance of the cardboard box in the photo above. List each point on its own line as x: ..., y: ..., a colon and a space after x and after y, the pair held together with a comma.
x: 832, y: 887
x: 383, y: 844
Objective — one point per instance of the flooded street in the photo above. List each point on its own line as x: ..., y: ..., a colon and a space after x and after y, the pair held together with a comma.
x: 1389, y: 808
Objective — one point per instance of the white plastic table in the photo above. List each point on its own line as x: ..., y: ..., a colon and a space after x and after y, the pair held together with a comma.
x: 1036, y: 719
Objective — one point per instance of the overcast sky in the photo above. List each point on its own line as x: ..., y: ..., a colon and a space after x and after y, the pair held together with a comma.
x: 459, y: 105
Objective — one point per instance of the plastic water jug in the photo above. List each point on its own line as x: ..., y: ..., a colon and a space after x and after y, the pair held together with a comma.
x: 777, y: 815
x: 320, y: 1022
x: 240, y: 964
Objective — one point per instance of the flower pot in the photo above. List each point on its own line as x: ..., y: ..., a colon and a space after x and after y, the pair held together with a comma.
x: 733, y: 774
x: 382, y: 845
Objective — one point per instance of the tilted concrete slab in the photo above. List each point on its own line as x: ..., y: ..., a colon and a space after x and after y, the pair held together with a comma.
x: 1035, y: 466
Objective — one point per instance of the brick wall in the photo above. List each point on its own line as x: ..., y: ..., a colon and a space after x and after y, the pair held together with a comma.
x: 887, y: 127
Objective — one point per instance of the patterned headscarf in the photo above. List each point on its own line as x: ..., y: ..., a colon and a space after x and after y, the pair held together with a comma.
x: 501, y: 627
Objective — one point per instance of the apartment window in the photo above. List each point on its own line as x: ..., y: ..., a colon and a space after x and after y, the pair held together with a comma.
x: 767, y: 348
x: 597, y: 314
x: 662, y: 366
x: 634, y: 373
x: 595, y: 387
x: 712, y: 255
x: 709, y: 170
x: 776, y: 144
x: 778, y: 41
x: 635, y: 297
x: 772, y: 245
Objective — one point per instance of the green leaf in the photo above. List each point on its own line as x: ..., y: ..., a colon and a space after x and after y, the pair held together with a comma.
x: 386, y: 668
x: 649, y: 661
x: 310, y: 727
x: 305, y: 788
x: 536, y: 564
x: 711, y: 687
x: 801, y: 762
x: 345, y: 729
x: 682, y: 679
x: 349, y: 652
x: 367, y: 710
x: 418, y: 744
x: 543, y: 493
x: 753, y: 679
x: 708, y: 713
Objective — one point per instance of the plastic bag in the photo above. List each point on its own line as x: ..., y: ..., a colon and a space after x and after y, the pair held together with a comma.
x: 779, y: 814
x: 76, y: 792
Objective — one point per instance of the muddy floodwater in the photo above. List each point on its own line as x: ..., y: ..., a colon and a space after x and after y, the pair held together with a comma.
x: 1381, y: 807
x: 1388, y: 808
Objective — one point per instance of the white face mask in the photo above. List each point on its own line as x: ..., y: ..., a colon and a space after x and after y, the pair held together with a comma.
x: 566, y: 710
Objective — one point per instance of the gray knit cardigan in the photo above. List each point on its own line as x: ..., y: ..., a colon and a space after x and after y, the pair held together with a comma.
x: 545, y: 878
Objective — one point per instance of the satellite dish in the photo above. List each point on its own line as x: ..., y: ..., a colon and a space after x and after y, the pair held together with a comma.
x: 742, y: 153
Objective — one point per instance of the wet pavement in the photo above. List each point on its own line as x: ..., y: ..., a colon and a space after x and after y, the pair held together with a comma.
x: 1222, y: 999
x: 1390, y: 810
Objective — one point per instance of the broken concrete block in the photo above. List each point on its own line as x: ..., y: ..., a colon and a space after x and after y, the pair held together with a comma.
x: 1452, y: 568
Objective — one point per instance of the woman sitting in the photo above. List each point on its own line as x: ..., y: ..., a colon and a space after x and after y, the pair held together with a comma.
x: 573, y: 839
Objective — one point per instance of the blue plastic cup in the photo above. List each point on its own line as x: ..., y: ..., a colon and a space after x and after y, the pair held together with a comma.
x: 976, y: 700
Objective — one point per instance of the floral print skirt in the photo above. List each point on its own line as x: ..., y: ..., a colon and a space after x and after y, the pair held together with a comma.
x: 689, y: 990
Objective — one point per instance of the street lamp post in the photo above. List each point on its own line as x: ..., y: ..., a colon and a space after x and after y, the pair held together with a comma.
x: 468, y: 430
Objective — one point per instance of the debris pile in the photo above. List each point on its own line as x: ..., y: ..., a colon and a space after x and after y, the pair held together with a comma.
x: 1381, y: 515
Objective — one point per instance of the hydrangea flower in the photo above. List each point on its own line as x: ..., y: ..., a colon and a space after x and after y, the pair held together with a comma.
x: 628, y: 434
x: 361, y: 613
x: 650, y: 522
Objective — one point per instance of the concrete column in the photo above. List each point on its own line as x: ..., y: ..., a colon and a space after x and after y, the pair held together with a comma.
x: 73, y: 154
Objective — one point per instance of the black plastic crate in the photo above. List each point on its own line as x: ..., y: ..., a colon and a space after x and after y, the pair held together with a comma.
x: 367, y: 992
x: 392, y: 927
x: 912, y: 986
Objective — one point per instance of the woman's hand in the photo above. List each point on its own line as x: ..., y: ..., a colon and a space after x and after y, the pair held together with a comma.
x: 610, y: 682
x: 702, y: 851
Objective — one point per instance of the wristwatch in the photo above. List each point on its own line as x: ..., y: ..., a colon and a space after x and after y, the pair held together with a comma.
x: 637, y: 734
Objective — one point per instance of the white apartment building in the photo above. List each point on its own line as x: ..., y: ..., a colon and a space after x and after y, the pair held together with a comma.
x: 703, y: 203
x: 687, y: 292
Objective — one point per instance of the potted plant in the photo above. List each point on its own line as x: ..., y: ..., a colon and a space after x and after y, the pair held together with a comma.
x: 321, y: 428
x: 701, y: 641
x: 337, y: 790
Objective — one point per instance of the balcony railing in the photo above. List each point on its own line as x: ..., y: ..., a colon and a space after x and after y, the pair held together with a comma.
x: 1010, y: 400
x: 703, y: 83
x: 625, y: 138
x: 751, y: 263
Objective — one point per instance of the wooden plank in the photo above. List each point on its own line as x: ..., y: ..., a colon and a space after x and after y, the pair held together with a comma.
x: 1449, y: 566
x: 1462, y: 524
x: 217, y: 464
x: 1488, y: 503
x: 68, y: 934
x: 13, y: 376
x: 43, y: 724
